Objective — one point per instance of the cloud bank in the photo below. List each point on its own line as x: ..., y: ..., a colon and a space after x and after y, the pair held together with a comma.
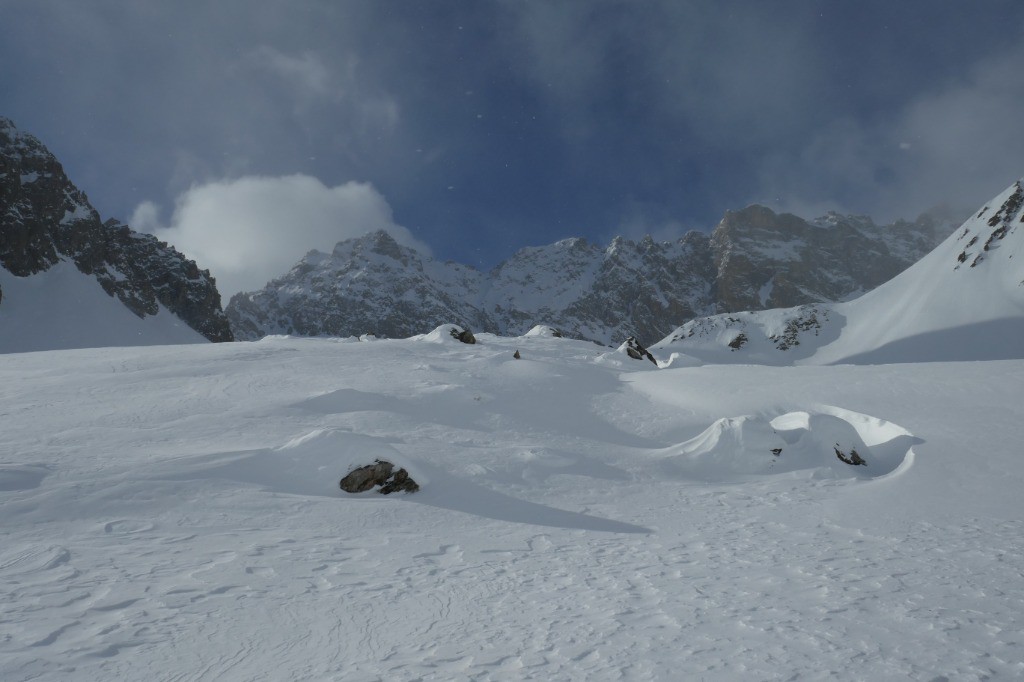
x: 250, y: 230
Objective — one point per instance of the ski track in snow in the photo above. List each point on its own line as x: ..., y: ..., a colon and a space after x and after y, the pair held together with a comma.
x: 173, y: 514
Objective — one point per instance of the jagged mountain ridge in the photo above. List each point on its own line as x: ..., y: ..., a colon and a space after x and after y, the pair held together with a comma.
x: 962, y: 301
x: 45, y: 220
x: 754, y: 258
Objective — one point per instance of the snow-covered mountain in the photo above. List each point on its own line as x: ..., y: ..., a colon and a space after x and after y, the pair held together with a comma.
x: 754, y: 258
x: 963, y: 301
x: 70, y: 280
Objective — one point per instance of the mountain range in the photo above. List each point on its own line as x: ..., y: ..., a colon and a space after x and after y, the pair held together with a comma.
x: 753, y: 259
x: 761, y: 287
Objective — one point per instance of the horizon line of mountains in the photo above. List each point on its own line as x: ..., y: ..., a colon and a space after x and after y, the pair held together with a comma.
x: 754, y: 259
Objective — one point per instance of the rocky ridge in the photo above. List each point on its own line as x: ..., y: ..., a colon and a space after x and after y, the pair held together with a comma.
x: 754, y: 259
x: 45, y: 219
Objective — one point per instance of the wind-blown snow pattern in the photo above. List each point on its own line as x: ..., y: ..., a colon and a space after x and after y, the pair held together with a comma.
x: 174, y: 513
x: 962, y: 301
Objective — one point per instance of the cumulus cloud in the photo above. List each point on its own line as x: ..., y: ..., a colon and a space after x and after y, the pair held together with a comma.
x: 250, y: 230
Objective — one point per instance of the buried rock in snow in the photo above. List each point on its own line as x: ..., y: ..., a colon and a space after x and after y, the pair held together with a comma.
x: 380, y: 473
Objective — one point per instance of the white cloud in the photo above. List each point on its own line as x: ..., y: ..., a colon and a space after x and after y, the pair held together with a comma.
x: 250, y: 230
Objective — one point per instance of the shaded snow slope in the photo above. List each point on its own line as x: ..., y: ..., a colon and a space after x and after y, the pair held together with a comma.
x: 174, y: 513
x: 62, y: 308
x: 47, y: 222
x: 963, y: 301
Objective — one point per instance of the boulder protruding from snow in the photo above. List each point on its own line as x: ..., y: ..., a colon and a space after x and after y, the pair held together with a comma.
x: 633, y: 349
x: 463, y: 335
x: 381, y: 473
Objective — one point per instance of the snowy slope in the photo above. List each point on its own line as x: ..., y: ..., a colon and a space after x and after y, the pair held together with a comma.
x: 963, y: 301
x: 63, y: 308
x: 173, y: 513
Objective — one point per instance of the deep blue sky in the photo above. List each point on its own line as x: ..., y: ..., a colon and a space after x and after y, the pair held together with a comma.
x: 249, y: 131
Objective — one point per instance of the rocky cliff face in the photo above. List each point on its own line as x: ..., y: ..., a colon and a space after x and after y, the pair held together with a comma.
x: 754, y: 259
x: 45, y: 219
x: 768, y: 260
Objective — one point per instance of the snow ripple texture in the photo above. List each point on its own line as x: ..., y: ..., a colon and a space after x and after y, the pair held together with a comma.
x: 173, y: 513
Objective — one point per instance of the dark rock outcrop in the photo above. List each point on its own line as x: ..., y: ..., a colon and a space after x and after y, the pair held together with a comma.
x: 853, y: 458
x: 380, y: 474
x: 636, y: 351
x: 463, y: 335
x: 45, y: 219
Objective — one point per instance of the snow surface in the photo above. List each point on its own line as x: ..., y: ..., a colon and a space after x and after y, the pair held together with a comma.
x: 173, y: 513
x: 62, y: 308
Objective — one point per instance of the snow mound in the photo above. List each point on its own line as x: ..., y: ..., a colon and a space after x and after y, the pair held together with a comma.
x: 544, y: 331
x: 446, y: 333
x: 308, y: 465
x: 770, y: 337
x: 825, y: 442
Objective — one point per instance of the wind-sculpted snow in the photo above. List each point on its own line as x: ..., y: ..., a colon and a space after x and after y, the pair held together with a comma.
x: 735, y: 448
x: 174, y: 513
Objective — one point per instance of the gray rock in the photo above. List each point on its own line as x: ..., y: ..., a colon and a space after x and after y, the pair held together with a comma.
x: 381, y: 473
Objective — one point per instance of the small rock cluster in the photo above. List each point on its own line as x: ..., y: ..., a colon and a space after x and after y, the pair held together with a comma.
x: 852, y: 459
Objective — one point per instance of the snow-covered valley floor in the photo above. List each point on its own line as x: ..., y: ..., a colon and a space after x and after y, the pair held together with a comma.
x: 173, y: 513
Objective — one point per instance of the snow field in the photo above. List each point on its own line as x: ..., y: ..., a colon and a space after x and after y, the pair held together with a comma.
x: 172, y: 513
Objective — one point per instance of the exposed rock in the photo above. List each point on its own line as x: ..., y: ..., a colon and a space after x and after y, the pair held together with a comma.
x: 463, y: 335
x: 45, y: 219
x: 636, y: 351
x: 853, y: 458
x: 381, y: 473
x: 738, y: 342
x: 516, y: 355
